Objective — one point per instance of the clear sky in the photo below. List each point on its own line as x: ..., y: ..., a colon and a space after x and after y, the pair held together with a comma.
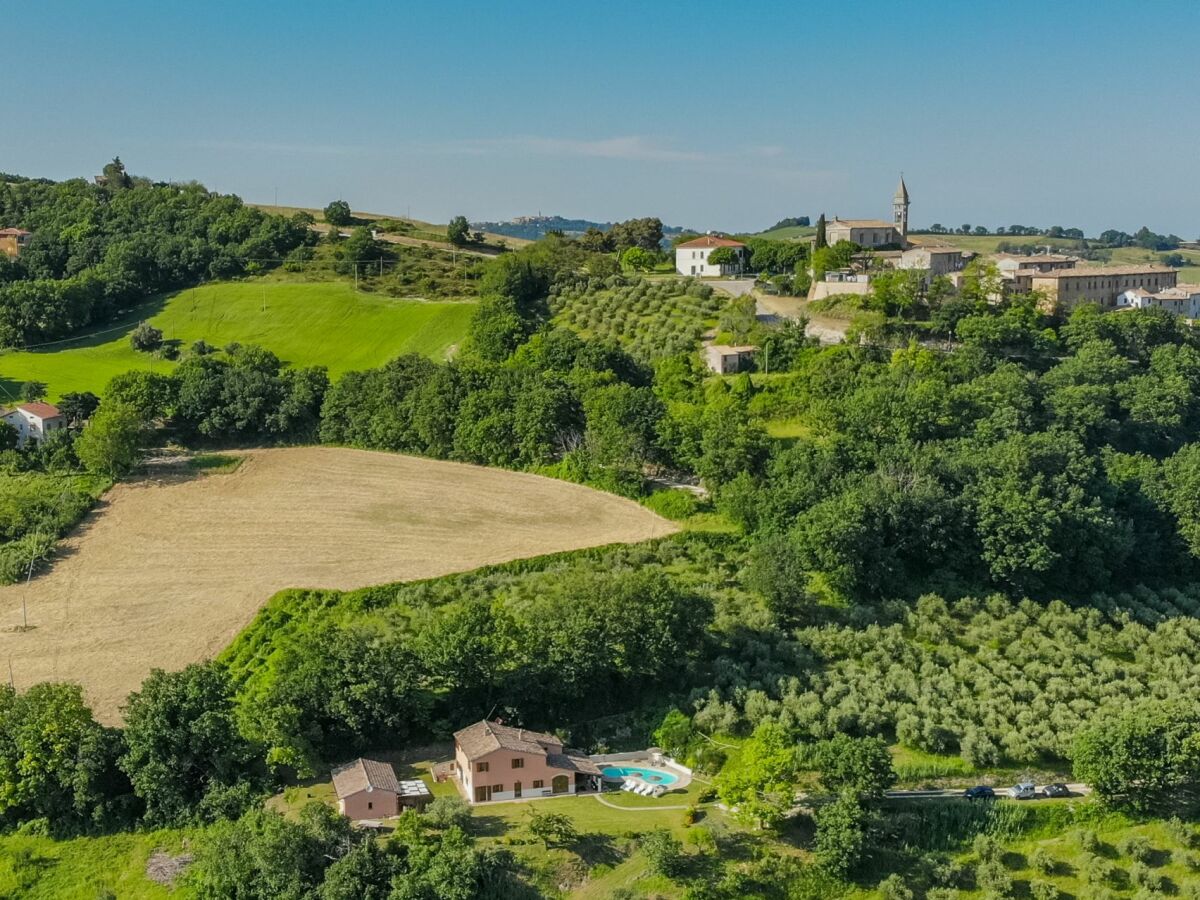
x: 712, y: 115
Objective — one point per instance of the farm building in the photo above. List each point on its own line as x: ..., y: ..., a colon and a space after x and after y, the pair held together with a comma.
x: 728, y: 360
x: 13, y: 241
x: 691, y: 257
x: 369, y: 789
x: 34, y: 421
x: 498, y: 762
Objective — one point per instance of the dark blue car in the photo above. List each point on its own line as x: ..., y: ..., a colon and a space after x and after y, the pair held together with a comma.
x: 980, y: 792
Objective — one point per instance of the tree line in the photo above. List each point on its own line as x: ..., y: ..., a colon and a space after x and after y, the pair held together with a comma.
x: 100, y: 248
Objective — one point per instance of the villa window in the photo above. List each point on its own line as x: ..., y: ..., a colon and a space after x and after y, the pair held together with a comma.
x: 518, y: 763
x: 537, y: 784
x: 370, y: 805
x: 481, y: 767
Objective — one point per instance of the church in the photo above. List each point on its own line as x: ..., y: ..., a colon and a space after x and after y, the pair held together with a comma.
x: 872, y: 234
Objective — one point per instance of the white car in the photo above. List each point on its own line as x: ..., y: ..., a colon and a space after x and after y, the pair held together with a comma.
x: 1026, y: 790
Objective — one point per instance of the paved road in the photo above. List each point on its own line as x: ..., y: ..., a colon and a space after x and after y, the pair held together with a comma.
x: 735, y: 286
x: 1078, y: 790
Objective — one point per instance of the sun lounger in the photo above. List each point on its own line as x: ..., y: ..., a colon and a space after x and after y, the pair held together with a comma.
x: 646, y: 790
x: 628, y: 786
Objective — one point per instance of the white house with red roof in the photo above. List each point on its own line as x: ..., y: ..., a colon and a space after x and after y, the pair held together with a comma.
x: 34, y: 421
x: 691, y: 257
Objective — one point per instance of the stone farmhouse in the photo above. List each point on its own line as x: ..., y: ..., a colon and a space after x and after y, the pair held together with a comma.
x: 34, y: 421
x: 498, y: 762
x: 691, y: 257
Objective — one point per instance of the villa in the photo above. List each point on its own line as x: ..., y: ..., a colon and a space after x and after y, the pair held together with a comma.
x: 497, y: 762
x: 691, y: 257
x: 369, y: 789
x: 14, y: 240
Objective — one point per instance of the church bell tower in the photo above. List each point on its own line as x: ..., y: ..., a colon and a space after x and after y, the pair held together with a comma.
x: 900, y: 211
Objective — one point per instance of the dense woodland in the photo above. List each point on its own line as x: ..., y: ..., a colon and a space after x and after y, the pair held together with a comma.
x: 983, y: 547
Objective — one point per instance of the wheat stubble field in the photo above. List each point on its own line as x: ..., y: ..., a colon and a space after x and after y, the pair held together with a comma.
x: 167, y: 571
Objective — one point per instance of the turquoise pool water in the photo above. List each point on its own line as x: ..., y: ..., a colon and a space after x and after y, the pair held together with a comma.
x: 647, y: 774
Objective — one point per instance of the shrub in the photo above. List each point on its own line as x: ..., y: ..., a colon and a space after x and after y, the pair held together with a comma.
x: 1144, y: 877
x: 690, y: 815
x: 674, y: 504
x: 1041, y: 860
x: 1043, y: 890
x: 663, y: 851
x: 986, y: 847
x: 448, y: 812
x: 1135, y: 847
x: 993, y: 879
x: 894, y: 888
x: 145, y: 337
x: 1088, y: 841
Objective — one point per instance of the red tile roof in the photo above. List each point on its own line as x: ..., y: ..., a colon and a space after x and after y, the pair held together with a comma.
x: 13, y: 232
x: 710, y: 240
x: 41, y: 410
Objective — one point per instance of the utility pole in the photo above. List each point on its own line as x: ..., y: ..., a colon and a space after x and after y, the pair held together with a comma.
x: 356, y: 278
x: 264, y: 305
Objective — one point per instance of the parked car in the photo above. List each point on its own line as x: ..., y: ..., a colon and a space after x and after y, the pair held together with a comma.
x: 979, y: 792
x: 1026, y: 790
x: 1058, y: 789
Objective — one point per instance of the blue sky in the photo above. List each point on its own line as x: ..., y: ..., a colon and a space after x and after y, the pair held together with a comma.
x: 711, y: 115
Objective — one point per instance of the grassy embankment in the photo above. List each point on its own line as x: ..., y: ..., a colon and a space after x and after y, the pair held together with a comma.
x: 324, y: 324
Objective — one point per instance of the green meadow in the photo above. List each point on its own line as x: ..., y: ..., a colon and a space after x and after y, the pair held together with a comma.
x: 304, y: 324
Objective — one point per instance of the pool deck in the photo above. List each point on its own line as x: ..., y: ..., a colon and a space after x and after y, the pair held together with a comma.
x: 644, y: 760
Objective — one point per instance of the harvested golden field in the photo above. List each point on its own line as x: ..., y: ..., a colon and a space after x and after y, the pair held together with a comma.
x: 166, y: 571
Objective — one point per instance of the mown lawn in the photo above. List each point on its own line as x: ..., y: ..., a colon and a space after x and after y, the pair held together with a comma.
x: 305, y: 324
x: 38, y: 868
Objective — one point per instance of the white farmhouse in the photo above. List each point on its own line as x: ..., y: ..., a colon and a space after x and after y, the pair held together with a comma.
x: 691, y: 258
x: 34, y: 421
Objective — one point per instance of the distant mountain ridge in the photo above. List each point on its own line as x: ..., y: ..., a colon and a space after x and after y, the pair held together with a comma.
x: 533, y: 227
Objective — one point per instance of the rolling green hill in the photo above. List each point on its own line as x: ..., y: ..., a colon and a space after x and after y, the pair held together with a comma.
x: 304, y: 324
x: 788, y: 233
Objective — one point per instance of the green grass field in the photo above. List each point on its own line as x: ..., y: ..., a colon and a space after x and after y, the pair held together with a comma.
x: 304, y: 324
x: 38, y: 868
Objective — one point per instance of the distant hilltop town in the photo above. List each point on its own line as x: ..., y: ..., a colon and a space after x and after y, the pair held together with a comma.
x: 531, y: 228
x: 875, y: 246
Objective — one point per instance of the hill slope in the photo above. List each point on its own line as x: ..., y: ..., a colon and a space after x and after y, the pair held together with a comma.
x: 324, y: 324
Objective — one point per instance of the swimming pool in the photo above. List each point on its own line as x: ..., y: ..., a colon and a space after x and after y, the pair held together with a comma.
x: 645, y: 773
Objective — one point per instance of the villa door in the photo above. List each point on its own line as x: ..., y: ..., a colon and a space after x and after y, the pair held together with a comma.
x: 483, y: 793
x: 559, y: 784
x: 517, y: 790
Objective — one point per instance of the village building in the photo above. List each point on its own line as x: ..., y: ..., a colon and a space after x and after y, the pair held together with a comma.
x: 13, y: 241
x: 1066, y: 288
x: 691, y: 257
x: 34, y: 421
x: 874, y: 233
x: 369, y: 789
x: 728, y: 360
x: 1182, y: 300
x: 498, y: 762
x: 934, y: 260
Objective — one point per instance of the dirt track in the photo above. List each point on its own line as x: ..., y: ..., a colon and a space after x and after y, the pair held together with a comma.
x: 166, y: 572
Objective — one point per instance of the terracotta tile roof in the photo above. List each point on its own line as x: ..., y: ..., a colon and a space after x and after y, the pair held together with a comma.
x: 486, y: 737
x: 14, y: 232
x: 1106, y: 271
x: 365, y: 775
x: 862, y: 223
x: 41, y: 410
x: 572, y: 762
x: 709, y: 240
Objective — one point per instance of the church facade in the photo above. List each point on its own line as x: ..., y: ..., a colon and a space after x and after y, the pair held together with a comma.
x: 875, y: 233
